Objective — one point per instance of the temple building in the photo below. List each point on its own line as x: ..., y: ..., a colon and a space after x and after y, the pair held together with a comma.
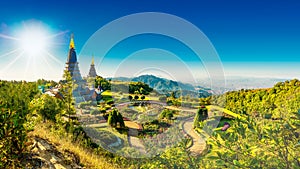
x: 82, y: 92
x: 92, y: 71
x: 72, y: 64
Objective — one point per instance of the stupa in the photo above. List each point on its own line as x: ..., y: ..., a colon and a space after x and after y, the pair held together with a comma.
x: 72, y: 64
x: 92, y: 71
x: 81, y: 93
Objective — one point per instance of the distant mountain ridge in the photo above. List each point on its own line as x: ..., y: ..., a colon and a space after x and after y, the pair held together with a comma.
x: 165, y: 86
x: 160, y: 84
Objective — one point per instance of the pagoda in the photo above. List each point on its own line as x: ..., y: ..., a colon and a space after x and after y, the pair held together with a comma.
x: 72, y: 64
x: 81, y: 93
x: 92, y: 71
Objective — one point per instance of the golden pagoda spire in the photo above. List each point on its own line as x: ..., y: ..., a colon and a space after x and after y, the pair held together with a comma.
x: 72, y: 44
x: 93, y: 61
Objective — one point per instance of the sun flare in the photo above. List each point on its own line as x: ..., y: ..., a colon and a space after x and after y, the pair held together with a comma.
x: 31, y: 46
x: 33, y: 41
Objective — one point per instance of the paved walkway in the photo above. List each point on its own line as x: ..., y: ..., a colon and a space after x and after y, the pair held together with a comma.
x: 134, y: 141
x: 198, y: 143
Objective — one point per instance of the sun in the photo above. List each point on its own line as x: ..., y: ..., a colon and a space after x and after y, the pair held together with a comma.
x: 33, y: 41
x: 30, y: 50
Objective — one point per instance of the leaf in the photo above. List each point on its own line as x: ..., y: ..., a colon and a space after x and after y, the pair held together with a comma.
x: 219, y: 154
x: 235, y: 162
x: 213, y: 157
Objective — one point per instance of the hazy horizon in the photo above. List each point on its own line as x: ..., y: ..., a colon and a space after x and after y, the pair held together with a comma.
x: 245, y: 39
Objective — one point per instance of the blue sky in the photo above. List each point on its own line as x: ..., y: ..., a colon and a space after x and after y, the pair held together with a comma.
x: 252, y: 38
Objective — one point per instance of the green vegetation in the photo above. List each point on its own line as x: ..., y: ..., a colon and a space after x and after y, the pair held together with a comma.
x: 47, y: 107
x: 283, y: 98
x: 255, y: 143
x: 268, y: 137
x: 165, y: 86
x: 14, y: 100
x: 167, y: 113
x: 68, y: 86
x: 264, y: 129
x: 139, y: 88
x: 224, y: 111
x: 201, y: 115
x: 115, y: 118
x: 103, y: 83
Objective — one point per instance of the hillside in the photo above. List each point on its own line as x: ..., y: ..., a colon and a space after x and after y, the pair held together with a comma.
x: 266, y: 135
x: 281, y: 98
x: 164, y: 86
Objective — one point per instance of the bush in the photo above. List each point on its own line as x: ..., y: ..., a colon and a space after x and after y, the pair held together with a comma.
x: 14, y: 100
x: 136, y: 97
x: 130, y: 97
x: 110, y: 102
x: 166, y: 113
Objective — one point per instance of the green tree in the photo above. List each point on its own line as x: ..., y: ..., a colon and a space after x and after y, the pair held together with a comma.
x: 173, y: 95
x: 120, y: 120
x: 68, y: 86
x: 46, y: 106
x: 204, y: 101
x: 136, y: 97
x: 103, y: 83
x: 130, y: 97
x: 201, y: 115
x: 114, y: 118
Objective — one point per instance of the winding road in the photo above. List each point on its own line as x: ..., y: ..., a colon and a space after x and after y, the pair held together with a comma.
x: 199, y: 143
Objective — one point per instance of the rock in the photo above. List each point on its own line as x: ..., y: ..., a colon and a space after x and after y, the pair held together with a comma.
x: 34, y: 150
x: 44, y: 154
x: 59, y: 166
x: 43, y: 145
x: 55, y: 159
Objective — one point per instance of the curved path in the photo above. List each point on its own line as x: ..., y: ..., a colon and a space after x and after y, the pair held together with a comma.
x: 145, y: 101
x: 198, y: 142
x: 198, y: 145
x: 133, y: 141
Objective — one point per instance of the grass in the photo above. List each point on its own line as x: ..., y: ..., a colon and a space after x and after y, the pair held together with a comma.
x: 228, y: 112
x: 107, y: 137
x: 87, y: 157
x: 173, y: 108
x: 107, y: 93
x: 114, y: 132
x: 140, y: 109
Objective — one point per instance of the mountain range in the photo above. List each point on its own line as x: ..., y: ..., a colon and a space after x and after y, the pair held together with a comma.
x: 166, y: 86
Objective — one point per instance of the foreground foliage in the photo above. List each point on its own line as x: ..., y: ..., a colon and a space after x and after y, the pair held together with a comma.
x: 256, y: 143
x: 268, y: 138
x: 283, y: 98
x: 14, y: 99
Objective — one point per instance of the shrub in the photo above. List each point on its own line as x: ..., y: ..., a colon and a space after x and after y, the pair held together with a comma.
x: 14, y: 100
x: 136, y: 97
